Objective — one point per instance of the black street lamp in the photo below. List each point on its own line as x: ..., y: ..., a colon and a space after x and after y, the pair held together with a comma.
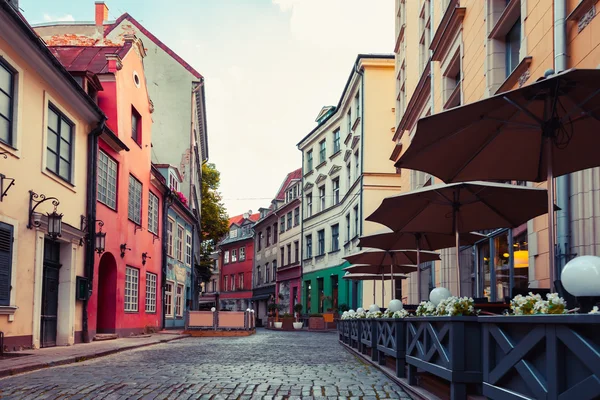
x: 99, y: 237
x: 144, y: 257
x: 54, y: 218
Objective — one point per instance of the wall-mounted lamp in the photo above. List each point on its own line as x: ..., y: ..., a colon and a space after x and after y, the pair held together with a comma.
x: 54, y: 218
x: 124, y: 247
x: 144, y: 257
x: 99, y: 237
x: 3, y: 180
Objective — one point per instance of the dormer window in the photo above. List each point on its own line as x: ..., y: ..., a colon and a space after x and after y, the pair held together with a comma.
x: 173, y: 182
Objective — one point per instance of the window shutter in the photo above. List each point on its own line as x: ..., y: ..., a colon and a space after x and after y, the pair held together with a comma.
x: 6, y: 244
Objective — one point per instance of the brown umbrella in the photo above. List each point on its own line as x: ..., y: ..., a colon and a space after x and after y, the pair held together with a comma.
x: 371, y: 277
x: 461, y: 207
x: 533, y: 133
x: 423, y: 241
x: 380, y: 270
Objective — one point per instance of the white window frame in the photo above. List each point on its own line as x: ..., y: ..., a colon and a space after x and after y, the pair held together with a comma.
x: 234, y: 255
x: 188, y: 248
x: 169, y: 299
x: 170, y: 236
x: 134, y: 207
x: 150, y: 292
x: 179, y: 300
x: 322, y: 196
x: 131, y: 293
x: 226, y: 257
x: 153, y: 205
x: 173, y: 182
x: 107, y: 180
x: 242, y: 253
x: 241, y: 280
x: 180, y: 240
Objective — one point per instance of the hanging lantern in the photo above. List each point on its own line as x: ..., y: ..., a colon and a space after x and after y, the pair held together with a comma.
x: 54, y: 224
x: 100, y: 242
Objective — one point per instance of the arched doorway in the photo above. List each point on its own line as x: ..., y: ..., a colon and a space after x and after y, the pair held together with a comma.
x: 107, y: 294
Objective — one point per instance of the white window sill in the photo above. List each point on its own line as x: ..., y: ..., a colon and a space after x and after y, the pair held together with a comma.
x: 8, y: 310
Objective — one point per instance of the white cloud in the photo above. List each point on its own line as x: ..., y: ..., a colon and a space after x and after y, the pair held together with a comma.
x: 62, y: 18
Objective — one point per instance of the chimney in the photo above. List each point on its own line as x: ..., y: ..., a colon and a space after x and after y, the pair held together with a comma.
x: 101, y: 13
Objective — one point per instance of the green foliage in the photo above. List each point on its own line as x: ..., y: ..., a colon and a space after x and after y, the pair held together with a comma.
x: 315, y: 315
x: 343, y: 307
x: 298, y: 307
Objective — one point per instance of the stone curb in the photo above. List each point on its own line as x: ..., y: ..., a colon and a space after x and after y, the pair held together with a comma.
x: 74, y: 359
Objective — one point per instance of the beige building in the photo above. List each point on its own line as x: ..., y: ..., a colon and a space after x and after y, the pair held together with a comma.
x: 344, y: 180
x: 472, y: 49
x: 46, y: 120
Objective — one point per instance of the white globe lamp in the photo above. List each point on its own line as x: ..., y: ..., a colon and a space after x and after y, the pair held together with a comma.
x: 581, y: 278
x: 351, y: 312
x: 360, y: 310
x: 438, y: 294
x: 213, y: 309
x: 373, y: 308
x: 395, y: 305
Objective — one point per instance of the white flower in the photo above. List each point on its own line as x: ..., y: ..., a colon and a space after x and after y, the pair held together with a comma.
x: 400, y: 314
x: 594, y: 310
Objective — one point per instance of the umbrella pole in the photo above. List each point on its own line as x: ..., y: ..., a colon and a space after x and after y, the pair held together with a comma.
x: 551, y: 259
x: 456, y: 235
x: 374, y: 289
x: 393, y: 282
x: 418, y: 271
x: 382, y: 290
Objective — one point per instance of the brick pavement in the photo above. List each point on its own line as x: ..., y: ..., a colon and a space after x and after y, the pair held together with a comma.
x: 268, y: 365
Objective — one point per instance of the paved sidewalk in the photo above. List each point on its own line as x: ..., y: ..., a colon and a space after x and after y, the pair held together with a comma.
x: 60, y: 355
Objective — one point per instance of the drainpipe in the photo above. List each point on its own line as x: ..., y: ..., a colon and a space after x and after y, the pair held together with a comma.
x: 301, y: 249
x: 362, y: 158
x: 91, y: 194
x: 163, y: 271
x: 563, y: 183
x: 193, y: 273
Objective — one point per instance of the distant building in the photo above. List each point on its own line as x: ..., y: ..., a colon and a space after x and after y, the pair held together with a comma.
x: 209, y: 293
x: 265, y: 262
x: 237, y: 258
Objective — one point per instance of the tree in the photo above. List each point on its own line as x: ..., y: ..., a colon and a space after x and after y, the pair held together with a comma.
x: 215, y: 222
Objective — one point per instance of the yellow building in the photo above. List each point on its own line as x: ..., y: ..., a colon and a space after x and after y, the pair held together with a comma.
x: 45, y: 123
x: 453, y: 52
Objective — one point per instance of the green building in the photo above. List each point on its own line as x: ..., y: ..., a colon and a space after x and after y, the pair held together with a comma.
x: 326, y: 289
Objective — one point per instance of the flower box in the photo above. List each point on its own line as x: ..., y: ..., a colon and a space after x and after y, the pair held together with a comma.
x: 541, y: 356
x: 390, y: 336
x: 447, y: 347
x: 368, y: 338
x: 355, y: 333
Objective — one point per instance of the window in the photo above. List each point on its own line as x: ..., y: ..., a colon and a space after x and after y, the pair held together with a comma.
x: 289, y: 254
x: 424, y: 34
x: 135, y: 200
x: 336, y: 191
x: 169, y: 299
x: 357, y: 104
x: 282, y: 224
x: 153, y: 213
x: 336, y: 140
x: 188, y: 248
x: 282, y: 255
x: 7, y: 98
x: 107, y: 180
x: 356, y: 163
x: 275, y: 233
x: 258, y: 275
x: 356, y: 220
x: 242, y: 253
x: 348, y: 227
x: 335, y: 237
x: 214, y: 285
x: 179, y: 301
x: 241, y: 280
x: 136, y: 126
x: 513, y: 47
x: 296, y: 251
x: 6, y: 252
x: 322, y: 197
x: 321, y: 242
x: 132, y: 276
x: 309, y: 160
x: 296, y: 216
x: 150, y: 292
x: 289, y: 220
x: 225, y: 282
x: 349, y: 175
x: 451, y: 83
x: 309, y: 204
x: 173, y: 182
x: 267, y: 273
x: 233, y: 255
x: 232, y: 282
x: 59, y: 155
x: 349, y: 118
x: 259, y: 240
x: 226, y: 257
x: 274, y: 271
x: 322, y: 151
x: 268, y: 237
x: 170, y: 227
x: 308, y: 246
x: 179, y: 249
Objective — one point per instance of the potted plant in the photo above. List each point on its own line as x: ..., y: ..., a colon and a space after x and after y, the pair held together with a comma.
x: 298, y: 310
x: 288, y: 322
x: 272, y: 308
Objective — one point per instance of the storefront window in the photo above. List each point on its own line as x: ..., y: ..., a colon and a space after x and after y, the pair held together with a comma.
x: 502, y: 266
x: 521, y: 261
x: 484, y: 262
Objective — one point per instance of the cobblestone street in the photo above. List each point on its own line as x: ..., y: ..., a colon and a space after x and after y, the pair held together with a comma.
x: 268, y: 365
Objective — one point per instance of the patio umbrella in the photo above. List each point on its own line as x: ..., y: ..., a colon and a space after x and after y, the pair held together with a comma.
x: 461, y: 207
x: 534, y: 133
x: 391, y: 258
x: 371, y: 277
x: 387, y: 240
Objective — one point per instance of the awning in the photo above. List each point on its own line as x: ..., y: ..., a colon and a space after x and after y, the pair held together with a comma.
x: 206, y: 301
x: 261, y: 297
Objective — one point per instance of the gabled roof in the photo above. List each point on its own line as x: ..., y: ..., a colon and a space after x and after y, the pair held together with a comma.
x: 238, y: 219
x: 110, y: 27
x: 294, y: 175
x: 92, y: 58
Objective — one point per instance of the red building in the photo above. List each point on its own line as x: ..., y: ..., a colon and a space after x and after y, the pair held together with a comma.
x: 126, y: 279
x: 236, y: 253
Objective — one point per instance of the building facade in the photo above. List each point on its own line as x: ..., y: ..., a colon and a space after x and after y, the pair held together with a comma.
x: 209, y: 293
x: 178, y: 90
x: 469, y: 50
x: 46, y: 120
x: 179, y: 272
x: 266, y: 258
x: 237, y: 260
x: 344, y: 180
x: 289, y: 272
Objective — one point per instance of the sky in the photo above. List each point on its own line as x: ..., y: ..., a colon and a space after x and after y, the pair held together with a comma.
x: 269, y: 67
